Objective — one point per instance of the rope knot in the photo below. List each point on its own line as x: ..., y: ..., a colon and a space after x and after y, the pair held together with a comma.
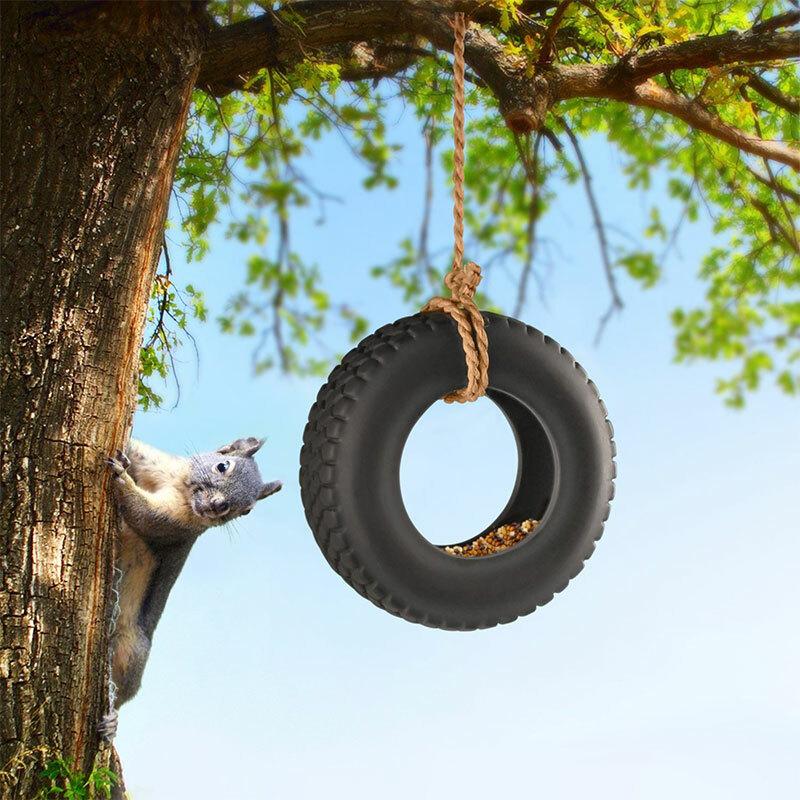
x: 462, y: 283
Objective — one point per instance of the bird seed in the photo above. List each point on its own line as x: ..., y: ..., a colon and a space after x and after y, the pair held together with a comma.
x: 494, y: 541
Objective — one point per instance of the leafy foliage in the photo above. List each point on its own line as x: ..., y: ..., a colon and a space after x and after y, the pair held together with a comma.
x: 240, y: 168
x: 69, y: 784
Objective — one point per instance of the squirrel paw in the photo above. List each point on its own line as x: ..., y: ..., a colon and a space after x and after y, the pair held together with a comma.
x: 119, y: 463
x: 107, y: 727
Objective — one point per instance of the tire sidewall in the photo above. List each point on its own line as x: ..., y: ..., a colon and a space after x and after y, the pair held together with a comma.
x: 410, y: 368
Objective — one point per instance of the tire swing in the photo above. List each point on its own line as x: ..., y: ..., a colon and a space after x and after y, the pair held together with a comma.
x: 359, y: 424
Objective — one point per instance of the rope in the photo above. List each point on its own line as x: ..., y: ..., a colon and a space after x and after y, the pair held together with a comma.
x: 461, y: 307
x: 462, y: 281
x: 460, y: 32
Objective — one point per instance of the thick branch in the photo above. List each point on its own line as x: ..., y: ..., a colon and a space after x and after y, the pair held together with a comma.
x: 283, y: 39
x: 366, y: 32
x: 785, y: 20
x: 373, y: 60
x: 651, y: 95
x: 732, y: 47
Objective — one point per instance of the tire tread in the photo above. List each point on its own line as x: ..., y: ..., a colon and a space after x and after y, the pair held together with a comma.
x: 327, y: 418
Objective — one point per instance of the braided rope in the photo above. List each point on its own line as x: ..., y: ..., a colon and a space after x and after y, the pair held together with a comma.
x: 460, y: 32
x: 463, y: 280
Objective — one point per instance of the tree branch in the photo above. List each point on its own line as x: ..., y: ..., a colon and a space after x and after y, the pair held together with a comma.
x: 771, y: 182
x: 529, y: 157
x: 284, y: 38
x: 651, y: 95
x: 771, y: 93
x: 616, y: 303
x: 546, y: 50
x: 732, y: 47
x: 423, y: 254
x: 164, y: 280
x: 366, y: 31
x: 785, y: 20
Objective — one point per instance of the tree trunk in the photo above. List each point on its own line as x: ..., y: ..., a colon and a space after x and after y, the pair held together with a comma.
x: 94, y: 104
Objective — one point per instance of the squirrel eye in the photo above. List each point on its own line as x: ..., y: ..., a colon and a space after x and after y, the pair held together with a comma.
x: 223, y: 466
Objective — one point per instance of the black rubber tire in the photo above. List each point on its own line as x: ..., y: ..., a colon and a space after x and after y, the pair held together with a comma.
x: 350, y: 471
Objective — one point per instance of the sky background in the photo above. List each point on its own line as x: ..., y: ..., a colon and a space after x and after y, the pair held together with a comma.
x: 667, y: 669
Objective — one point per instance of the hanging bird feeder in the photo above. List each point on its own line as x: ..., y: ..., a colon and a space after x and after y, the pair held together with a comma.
x: 363, y: 415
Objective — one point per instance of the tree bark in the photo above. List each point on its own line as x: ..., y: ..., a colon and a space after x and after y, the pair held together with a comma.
x: 94, y: 104
x: 330, y: 29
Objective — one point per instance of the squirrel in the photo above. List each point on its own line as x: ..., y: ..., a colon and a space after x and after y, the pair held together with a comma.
x: 166, y: 502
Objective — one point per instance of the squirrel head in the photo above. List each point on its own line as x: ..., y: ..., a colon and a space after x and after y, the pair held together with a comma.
x: 226, y: 484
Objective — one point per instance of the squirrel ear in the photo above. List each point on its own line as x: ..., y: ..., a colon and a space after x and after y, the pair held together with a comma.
x: 242, y: 447
x: 269, y: 488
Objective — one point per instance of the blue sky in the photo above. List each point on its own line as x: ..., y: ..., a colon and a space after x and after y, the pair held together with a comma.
x: 668, y: 668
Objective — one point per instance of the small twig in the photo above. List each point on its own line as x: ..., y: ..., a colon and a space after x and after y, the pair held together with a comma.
x: 173, y: 371
x: 278, y: 299
x: 551, y: 137
x: 546, y: 51
x: 530, y: 162
x: 788, y: 232
x: 333, y: 118
x: 165, y: 282
x: 423, y: 256
x: 228, y: 132
x: 672, y: 242
x: 769, y: 92
x: 616, y: 301
x: 276, y: 116
x: 774, y: 184
x: 612, y: 46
